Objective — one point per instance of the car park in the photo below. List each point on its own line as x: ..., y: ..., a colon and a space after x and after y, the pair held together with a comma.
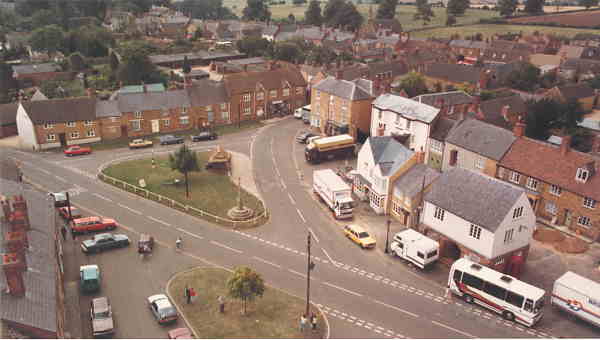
x: 204, y: 135
x: 89, y: 278
x: 105, y: 241
x: 304, y: 136
x: 92, y: 224
x: 101, y: 316
x: 140, y: 143
x: 359, y: 235
x: 161, y: 307
x: 64, y: 212
x: 180, y: 333
x: 76, y: 150
x: 170, y: 139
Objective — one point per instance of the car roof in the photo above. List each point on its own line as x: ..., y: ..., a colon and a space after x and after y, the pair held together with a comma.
x: 86, y: 219
x: 155, y: 297
x: 103, y: 235
x: 356, y: 228
x: 100, y: 304
x: 90, y: 271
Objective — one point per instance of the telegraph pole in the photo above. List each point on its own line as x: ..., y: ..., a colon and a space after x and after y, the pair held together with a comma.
x: 310, y: 266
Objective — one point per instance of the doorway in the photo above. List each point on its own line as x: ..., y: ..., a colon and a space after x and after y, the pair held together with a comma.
x: 155, y: 126
x: 62, y: 137
x: 451, y: 250
x: 124, y: 131
x: 568, y: 217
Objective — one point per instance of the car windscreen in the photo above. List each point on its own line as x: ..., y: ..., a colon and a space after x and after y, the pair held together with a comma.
x: 101, y: 315
x: 166, y: 312
x: 363, y: 234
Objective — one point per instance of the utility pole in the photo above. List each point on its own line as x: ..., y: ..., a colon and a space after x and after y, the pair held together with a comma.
x: 69, y: 206
x: 310, y: 266
x: 387, y: 237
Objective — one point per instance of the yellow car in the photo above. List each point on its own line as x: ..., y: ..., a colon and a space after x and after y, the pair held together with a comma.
x: 140, y: 143
x: 359, y: 236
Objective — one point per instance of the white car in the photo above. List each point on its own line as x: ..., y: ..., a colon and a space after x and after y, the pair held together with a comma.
x: 162, y: 308
x: 298, y: 113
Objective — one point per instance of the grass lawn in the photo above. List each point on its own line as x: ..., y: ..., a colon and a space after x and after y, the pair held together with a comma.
x: 274, y: 315
x: 210, y: 191
x: 489, y: 30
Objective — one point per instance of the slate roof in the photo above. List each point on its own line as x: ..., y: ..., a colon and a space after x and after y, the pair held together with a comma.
x: 492, y: 109
x: 358, y: 89
x: 207, y: 92
x: 544, y: 161
x: 107, y: 108
x: 408, y: 108
x: 481, y: 138
x: 36, y: 68
x: 153, y: 101
x: 582, y: 65
x: 61, y: 110
x: 8, y: 113
x: 38, y: 307
x: 454, y: 72
x: 270, y: 79
x: 576, y: 91
x: 411, y: 182
x: 461, y: 43
x: 441, y: 128
x: 247, y: 61
x: 388, y: 153
x: 450, y: 98
x: 479, y: 199
x: 395, y: 67
x: 349, y: 72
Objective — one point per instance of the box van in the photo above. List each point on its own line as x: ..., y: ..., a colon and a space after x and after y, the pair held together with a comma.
x: 89, y: 278
x: 579, y: 296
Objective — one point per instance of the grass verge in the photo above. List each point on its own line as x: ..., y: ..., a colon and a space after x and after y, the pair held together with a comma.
x: 274, y: 315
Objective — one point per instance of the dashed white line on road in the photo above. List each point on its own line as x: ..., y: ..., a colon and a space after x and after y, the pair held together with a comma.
x: 329, y: 257
x: 44, y: 171
x: 297, y: 273
x: 276, y: 169
x: 313, y: 234
x: 191, y: 234
x: 283, y: 184
x: 453, y: 329
x: 301, y: 216
x: 267, y: 262
x: 291, y: 198
x: 102, y: 197
x: 60, y: 179
x: 396, y: 308
x: 342, y: 289
x: 226, y: 247
x: 130, y: 209
x: 159, y: 221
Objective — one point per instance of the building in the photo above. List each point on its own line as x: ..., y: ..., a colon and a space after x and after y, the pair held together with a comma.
x: 450, y: 76
x: 503, y: 112
x: 408, y: 193
x: 340, y: 106
x: 476, y: 146
x: 582, y: 93
x: 451, y: 103
x: 407, y: 120
x: 563, y: 185
x: 209, y: 104
x: 480, y: 217
x: 36, y: 74
x: 437, y: 141
x: 468, y: 48
x: 108, y: 116
x: 8, y: 119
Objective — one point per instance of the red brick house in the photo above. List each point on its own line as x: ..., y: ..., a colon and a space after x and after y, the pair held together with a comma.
x: 35, y: 74
x: 209, y: 104
x: 8, y: 119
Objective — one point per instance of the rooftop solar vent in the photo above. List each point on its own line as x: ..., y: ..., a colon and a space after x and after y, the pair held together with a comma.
x: 506, y: 279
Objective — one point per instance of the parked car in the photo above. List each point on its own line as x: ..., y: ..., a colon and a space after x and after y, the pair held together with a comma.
x: 105, y: 241
x: 140, y: 143
x: 359, y: 235
x: 170, y: 139
x: 162, y: 308
x: 304, y: 136
x: 204, y: 135
x: 89, y: 278
x: 180, y: 333
x: 64, y: 212
x: 76, y: 150
x: 60, y: 199
x: 101, y: 316
x: 91, y: 224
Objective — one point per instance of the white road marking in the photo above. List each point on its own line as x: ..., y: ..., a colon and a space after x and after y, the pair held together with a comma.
x: 453, y: 329
x: 342, y: 289
x: 267, y: 262
x: 43, y: 170
x: 132, y: 210
x: 313, y: 234
x: 60, y: 178
x: 226, y: 247
x: 291, y: 198
x: 159, y: 221
x: 191, y: 234
x: 329, y: 257
x: 301, y: 216
x: 102, y: 197
x: 396, y: 308
x: 283, y: 184
x: 277, y: 170
x: 297, y: 273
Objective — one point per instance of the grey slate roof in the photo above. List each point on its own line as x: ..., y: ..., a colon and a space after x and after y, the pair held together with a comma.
x: 358, y: 89
x: 153, y: 101
x: 411, y: 182
x: 61, y: 110
x: 107, y: 108
x: 441, y: 128
x: 450, y: 98
x: 388, y: 153
x: 207, y: 92
x: 408, y: 108
x: 481, y: 138
x: 479, y: 199
x: 8, y: 113
x: 36, y: 68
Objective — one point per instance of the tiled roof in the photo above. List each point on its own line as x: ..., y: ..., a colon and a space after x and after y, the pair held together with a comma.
x: 539, y: 59
x: 544, y: 161
x: 270, y: 79
x: 388, y: 153
x: 36, y: 68
x: 582, y: 65
x: 441, y: 128
x: 481, y: 138
x: 349, y: 72
x: 468, y: 44
x: 8, y: 113
x: 358, y: 89
x: 395, y: 67
x: 408, y: 108
x: 411, y: 182
x: 576, y: 91
x: 207, y: 92
x: 153, y: 101
x: 449, y: 98
x: 107, y: 108
x: 492, y: 109
x: 61, y: 110
x: 476, y: 198
x: 454, y: 72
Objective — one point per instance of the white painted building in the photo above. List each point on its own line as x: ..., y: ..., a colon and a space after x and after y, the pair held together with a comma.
x: 26, y: 129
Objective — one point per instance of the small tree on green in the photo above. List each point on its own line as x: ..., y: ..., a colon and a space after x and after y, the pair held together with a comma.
x: 245, y: 284
x: 414, y: 84
x: 457, y: 7
x: 184, y: 160
x: 186, y: 68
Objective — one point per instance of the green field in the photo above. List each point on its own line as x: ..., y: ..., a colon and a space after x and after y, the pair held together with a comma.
x: 489, y: 30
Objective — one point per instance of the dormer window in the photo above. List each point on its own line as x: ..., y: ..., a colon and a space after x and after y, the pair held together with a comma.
x: 582, y: 175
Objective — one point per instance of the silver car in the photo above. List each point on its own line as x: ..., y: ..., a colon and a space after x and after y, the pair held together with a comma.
x: 101, y: 315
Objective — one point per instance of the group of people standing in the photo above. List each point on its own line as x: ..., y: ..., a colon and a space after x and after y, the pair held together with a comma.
x: 304, y: 322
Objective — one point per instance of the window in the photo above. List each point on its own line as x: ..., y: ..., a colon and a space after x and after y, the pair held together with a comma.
x: 114, y: 119
x: 48, y: 126
x: 260, y: 96
x: 501, y: 173
x: 247, y: 110
x: 88, y: 122
x: 532, y: 183
x: 51, y: 137
x: 70, y: 124
x: 495, y: 291
x: 318, y: 94
x: 135, y: 125
x: 223, y: 106
x: 225, y: 115
x: 453, y: 157
x: 582, y: 175
x: 522, y: 227
x: 211, y: 116
x: 91, y: 133
x: 183, y: 110
x: 185, y: 120
x: 397, y: 208
x: 246, y: 97
x: 439, y: 213
x: 584, y: 221
x: 518, y: 212
x: 138, y: 114
x: 420, y: 255
x: 551, y: 208
x: 589, y: 202
x: 555, y: 190
x: 514, y: 299
x: 472, y: 281
x: 166, y: 122
x: 273, y: 93
x: 508, y: 235
x: 437, y: 146
x: 479, y: 163
x: 75, y: 134
x: 457, y: 275
x: 515, y: 177
x: 528, y: 305
x: 475, y: 231
x: 286, y: 92
x: 299, y: 90
x: 209, y: 108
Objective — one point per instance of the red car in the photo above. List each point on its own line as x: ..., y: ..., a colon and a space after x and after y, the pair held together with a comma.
x: 64, y: 212
x: 180, y: 333
x: 91, y: 224
x: 76, y: 150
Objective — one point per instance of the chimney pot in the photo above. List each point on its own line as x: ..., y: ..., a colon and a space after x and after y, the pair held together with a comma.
x: 13, y: 269
x: 565, y: 145
x: 519, y: 128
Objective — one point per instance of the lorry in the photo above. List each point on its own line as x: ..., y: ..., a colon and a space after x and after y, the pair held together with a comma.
x: 328, y: 148
x: 579, y: 296
x: 336, y: 193
x: 415, y: 247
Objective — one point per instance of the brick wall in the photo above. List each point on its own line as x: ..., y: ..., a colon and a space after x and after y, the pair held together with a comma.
x: 110, y: 127
x: 74, y: 133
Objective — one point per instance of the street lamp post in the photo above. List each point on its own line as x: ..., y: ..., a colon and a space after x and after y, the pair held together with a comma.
x: 387, y: 236
x: 310, y: 266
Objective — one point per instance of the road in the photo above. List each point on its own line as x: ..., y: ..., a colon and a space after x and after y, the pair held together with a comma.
x: 364, y: 294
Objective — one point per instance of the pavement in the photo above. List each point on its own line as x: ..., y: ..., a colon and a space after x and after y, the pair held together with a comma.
x: 241, y: 167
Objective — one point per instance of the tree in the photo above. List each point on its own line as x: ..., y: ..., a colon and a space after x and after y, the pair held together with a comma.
x: 184, y: 161
x: 288, y: 51
x: 256, y: 10
x: 547, y: 114
x: 534, y: 6
x: 90, y: 41
x: 330, y: 13
x: 186, y: 68
x: 114, y: 62
x: 76, y: 62
x: 588, y: 3
x: 312, y: 15
x: 507, y: 7
x: 47, y: 39
x: 424, y: 11
x: 387, y: 9
x: 92, y: 8
x: 457, y: 7
x: 254, y: 46
x: 29, y: 7
x: 7, y: 82
x: 467, y: 88
x: 349, y: 17
x: 44, y: 17
x: 245, y: 285
x: 524, y: 78
x: 595, y: 82
x: 450, y: 20
x: 298, y: 2
x: 135, y: 65
x: 206, y: 9
x: 414, y: 84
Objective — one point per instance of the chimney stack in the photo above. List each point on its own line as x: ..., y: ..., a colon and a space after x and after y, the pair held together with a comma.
x: 519, y: 128
x: 505, y: 111
x: 565, y: 145
x: 19, y: 218
x: 13, y: 269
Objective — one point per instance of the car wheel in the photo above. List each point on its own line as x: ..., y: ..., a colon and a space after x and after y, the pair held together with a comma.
x: 468, y: 298
x: 508, y: 316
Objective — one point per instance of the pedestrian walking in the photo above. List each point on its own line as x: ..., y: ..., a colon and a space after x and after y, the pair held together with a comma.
x: 192, y: 295
x: 178, y: 243
x: 188, y: 297
x: 313, y: 321
x: 63, y: 231
x: 302, y: 322
x: 221, y: 304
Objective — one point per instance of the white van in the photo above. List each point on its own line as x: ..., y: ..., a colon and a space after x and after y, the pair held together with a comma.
x: 579, y: 296
x: 302, y: 112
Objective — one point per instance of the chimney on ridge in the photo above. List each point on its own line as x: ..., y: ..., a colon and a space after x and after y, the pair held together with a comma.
x: 13, y: 270
x: 519, y: 128
x: 565, y: 145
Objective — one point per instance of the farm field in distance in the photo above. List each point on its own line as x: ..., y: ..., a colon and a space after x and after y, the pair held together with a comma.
x: 490, y: 30
x: 581, y: 19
